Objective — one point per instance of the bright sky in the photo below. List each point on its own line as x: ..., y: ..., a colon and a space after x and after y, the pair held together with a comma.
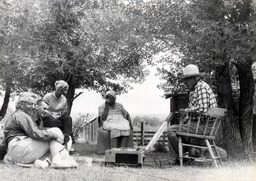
x: 144, y: 98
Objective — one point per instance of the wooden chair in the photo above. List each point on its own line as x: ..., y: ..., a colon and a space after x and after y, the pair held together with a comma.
x: 206, y: 130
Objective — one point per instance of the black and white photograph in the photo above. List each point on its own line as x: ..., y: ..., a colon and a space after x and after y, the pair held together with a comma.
x: 110, y: 90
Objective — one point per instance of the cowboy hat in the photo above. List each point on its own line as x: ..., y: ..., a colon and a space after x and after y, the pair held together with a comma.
x: 191, y: 70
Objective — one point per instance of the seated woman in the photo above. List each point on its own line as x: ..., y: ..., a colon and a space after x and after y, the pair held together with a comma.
x: 58, y: 109
x: 116, y: 121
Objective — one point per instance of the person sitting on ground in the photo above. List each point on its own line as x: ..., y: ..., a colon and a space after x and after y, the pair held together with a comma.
x: 41, y: 113
x: 27, y: 143
x: 59, y: 109
x: 115, y: 120
x: 201, y: 97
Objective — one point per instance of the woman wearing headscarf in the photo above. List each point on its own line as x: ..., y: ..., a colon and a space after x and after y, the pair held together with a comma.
x: 58, y: 109
x: 116, y: 120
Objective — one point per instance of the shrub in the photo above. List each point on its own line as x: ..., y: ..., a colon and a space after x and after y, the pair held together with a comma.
x: 80, y: 122
x: 149, y: 122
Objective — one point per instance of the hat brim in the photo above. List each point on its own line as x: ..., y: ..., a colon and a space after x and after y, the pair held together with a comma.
x: 191, y: 75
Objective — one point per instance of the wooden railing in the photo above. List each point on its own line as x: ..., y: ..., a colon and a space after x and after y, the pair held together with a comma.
x: 89, y: 132
x: 140, y: 137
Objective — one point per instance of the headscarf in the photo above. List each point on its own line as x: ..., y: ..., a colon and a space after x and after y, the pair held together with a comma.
x: 61, y: 83
x: 112, y: 93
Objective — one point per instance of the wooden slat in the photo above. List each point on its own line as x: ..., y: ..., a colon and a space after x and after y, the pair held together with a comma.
x: 90, y: 132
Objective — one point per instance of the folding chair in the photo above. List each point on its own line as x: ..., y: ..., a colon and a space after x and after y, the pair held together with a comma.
x: 204, y: 128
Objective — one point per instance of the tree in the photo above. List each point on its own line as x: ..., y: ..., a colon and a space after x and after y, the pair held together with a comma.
x: 14, y: 38
x: 87, y: 44
x: 149, y: 121
x: 217, y: 36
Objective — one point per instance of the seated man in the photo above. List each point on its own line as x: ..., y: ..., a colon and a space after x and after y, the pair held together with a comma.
x: 58, y: 109
x: 201, y: 97
x: 116, y: 121
x: 27, y: 143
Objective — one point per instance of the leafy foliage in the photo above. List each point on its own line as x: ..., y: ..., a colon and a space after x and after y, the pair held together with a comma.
x: 217, y: 36
x: 89, y: 44
x: 149, y: 121
x: 80, y: 123
x: 96, y: 46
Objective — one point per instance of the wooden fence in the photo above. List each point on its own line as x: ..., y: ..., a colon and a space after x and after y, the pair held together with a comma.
x: 89, y: 132
x: 140, y: 138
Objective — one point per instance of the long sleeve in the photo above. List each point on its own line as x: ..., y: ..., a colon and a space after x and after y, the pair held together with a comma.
x: 200, y: 101
x: 201, y: 98
x: 26, y: 126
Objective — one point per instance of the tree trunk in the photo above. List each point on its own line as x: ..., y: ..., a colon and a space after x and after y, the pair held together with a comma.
x: 231, y: 132
x: 6, y: 100
x: 71, y: 92
x: 246, y: 106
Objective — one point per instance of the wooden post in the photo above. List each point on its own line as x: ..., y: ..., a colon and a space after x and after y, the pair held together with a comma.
x: 176, y: 102
x: 85, y: 133
x: 142, y: 134
x: 163, y: 141
x: 95, y: 130
x: 92, y: 132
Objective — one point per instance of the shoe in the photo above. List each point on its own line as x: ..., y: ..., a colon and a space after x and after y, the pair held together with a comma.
x: 43, y: 164
x: 63, y: 160
x: 193, y: 152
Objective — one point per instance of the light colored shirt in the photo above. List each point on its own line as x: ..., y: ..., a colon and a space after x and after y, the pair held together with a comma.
x: 56, y: 105
x: 116, y: 118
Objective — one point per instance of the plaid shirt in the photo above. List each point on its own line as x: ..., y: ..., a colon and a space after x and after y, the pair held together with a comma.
x: 201, y: 98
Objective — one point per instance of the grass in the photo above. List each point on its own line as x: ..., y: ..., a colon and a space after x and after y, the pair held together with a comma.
x: 233, y: 171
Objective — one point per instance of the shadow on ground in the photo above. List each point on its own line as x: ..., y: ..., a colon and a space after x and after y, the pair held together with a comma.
x: 152, y: 158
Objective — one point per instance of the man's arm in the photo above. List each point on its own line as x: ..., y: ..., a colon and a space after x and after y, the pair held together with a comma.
x: 29, y: 127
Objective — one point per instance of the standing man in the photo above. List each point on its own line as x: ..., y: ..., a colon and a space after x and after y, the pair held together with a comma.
x: 58, y: 109
x: 27, y: 143
x: 201, y: 97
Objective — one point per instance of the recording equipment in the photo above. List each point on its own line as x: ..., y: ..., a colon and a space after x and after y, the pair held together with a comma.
x: 124, y: 157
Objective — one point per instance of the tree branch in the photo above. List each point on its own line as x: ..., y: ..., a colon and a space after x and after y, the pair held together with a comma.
x: 76, y: 96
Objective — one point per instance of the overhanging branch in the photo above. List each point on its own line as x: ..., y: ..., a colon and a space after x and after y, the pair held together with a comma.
x: 76, y: 96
